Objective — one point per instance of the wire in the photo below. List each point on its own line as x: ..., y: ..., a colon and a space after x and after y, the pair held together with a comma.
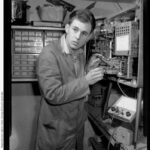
x: 121, y: 89
x: 118, y: 4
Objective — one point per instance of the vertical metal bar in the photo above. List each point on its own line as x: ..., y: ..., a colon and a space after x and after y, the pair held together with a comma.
x: 107, y: 98
x: 138, y: 109
x: 140, y: 73
x: 140, y: 54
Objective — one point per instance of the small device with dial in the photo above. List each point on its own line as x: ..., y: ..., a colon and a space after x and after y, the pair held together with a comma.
x: 124, y: 109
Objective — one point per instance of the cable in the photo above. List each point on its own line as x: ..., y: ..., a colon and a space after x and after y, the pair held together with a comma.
x: 121, y: 89
x: 118, y: 4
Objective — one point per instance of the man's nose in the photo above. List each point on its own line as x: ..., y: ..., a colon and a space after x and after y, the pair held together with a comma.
x: 78, y: 35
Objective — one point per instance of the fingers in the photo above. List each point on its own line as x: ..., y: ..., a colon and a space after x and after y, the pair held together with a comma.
x: 98, y: 70
x: 98, y: 79
x: 98, y: 55
x: 93, y: 62
x: 95, y: 75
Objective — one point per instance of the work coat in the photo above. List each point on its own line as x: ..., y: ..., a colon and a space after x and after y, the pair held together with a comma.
x: 64, y: 92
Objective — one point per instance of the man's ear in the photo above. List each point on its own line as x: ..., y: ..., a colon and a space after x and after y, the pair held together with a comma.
x: 67, y: 28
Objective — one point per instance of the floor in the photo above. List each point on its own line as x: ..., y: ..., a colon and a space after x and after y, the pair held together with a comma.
x: 141, y: 145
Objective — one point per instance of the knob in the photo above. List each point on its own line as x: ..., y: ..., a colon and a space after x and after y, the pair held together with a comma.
x: 113, y: 108
x: 122, y: 113
x: 128, y: 114
x: 117, y: 110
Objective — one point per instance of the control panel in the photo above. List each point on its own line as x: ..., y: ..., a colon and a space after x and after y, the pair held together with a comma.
x: 124, y: 109
x: 119, y: 45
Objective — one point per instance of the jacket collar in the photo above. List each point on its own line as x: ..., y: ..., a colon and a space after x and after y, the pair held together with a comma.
x: 64, y: 46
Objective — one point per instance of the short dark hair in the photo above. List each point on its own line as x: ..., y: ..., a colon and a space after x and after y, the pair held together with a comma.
x: 84, y: 15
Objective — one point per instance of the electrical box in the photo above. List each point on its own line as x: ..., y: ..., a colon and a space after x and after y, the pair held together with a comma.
x: 127, y: 39
x: 124, y: 109
x: 122, y: 135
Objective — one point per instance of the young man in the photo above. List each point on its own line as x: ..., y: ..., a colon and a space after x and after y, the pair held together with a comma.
x: 64, y: 86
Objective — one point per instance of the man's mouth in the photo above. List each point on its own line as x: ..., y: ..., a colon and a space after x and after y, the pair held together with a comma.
x: 75, y: 43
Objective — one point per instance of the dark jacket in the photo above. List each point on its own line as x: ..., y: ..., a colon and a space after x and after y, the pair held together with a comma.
x: 64, y: 92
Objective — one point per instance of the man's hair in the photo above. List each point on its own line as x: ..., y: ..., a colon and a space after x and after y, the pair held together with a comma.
x: 84, y: 15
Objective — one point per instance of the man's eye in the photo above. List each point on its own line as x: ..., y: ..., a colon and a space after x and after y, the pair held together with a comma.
x: 85, y: 34
x: 75, y: 29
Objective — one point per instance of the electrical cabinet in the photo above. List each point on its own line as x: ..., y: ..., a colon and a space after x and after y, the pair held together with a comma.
x: 122, y: 45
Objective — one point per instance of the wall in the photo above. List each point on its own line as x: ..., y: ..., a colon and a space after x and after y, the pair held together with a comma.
x: 25, y: 104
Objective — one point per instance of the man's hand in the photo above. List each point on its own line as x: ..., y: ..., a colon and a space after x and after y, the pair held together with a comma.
x: 94, y: 75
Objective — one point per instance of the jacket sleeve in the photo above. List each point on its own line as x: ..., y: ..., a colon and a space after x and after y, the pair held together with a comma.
x: 51, y: 83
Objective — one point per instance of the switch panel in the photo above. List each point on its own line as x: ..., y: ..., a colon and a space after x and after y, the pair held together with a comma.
x: 124, y: 109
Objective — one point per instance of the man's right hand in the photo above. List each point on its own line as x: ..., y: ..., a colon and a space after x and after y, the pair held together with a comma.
x: 94, y: 75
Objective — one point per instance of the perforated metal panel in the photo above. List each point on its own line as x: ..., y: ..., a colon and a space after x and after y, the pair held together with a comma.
x: 123, y: 29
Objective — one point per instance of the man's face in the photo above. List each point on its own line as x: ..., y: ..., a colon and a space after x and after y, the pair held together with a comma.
x: 77, y: 34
